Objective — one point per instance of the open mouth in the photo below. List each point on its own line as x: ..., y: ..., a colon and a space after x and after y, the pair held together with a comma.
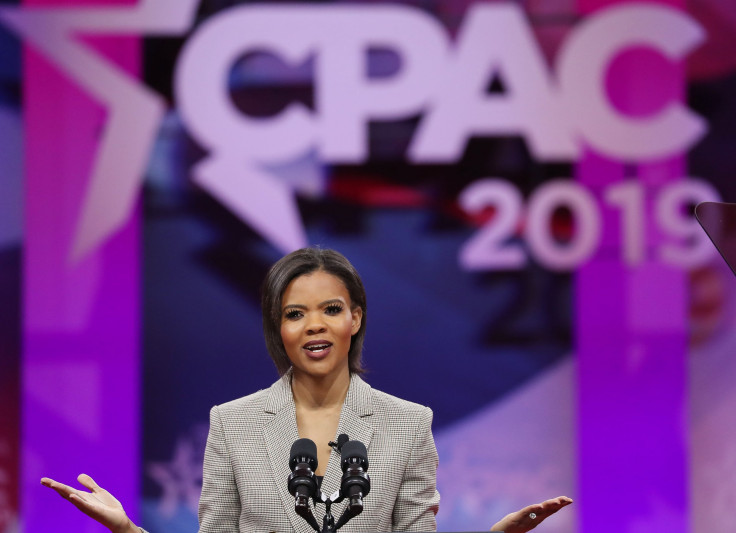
x: 317, y: 348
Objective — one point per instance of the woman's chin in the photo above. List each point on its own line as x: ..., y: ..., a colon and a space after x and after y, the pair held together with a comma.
x: 319, y: 368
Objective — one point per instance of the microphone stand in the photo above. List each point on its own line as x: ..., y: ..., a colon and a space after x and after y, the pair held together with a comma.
x: 354, y: 485
x: 328, y: 522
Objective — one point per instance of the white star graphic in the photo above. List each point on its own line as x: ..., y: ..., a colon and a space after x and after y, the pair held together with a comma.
x: 135, y: 113
x: 180, y: 479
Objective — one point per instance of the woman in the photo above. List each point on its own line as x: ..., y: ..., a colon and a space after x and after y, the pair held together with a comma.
x: 314, y: 320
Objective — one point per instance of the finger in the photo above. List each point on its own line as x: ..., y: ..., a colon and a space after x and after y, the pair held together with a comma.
x: 555, y: 504
x: 560, y: 500
x: 88, y: 482
x: 65, y: 491
x: 47, y: 482
x: 548, y: 507
x: 83, y: 498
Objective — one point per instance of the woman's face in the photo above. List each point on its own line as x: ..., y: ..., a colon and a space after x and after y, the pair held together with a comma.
x: 317, y: 323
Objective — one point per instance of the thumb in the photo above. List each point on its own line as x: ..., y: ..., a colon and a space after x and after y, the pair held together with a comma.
x: 88, y: 482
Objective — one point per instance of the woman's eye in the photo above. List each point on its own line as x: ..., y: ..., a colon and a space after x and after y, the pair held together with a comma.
x: 293, y: 314
x: 333, y: 309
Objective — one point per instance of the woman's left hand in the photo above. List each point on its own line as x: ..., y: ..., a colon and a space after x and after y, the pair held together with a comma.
x: 530, y: 516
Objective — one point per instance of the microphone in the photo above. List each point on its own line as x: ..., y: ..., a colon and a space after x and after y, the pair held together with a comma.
x: 355, y: 481
x: 341, y: 440
x: 302, y: 481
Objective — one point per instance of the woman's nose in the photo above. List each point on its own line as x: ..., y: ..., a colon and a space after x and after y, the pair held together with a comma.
x: 316, y: 325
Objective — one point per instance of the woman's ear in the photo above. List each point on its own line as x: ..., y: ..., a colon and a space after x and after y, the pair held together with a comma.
x: 357, y: 319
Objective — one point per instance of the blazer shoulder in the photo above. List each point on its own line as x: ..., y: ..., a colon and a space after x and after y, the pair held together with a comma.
x: 394, y: 406
x: 254, y: 402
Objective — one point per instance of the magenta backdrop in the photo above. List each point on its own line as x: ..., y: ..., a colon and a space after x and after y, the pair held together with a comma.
x: 626, y: 423
x: 81, y: 321
x: 631, y: 341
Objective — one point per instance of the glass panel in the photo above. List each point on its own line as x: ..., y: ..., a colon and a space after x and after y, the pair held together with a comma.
x: 719, y: 222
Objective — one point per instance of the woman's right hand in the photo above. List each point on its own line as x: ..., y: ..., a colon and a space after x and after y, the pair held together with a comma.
x: 98, y: 504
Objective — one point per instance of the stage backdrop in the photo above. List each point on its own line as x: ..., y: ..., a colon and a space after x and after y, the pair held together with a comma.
x: 513, y: 181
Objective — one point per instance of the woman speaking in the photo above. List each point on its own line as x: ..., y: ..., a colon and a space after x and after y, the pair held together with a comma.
x: 314, y: 323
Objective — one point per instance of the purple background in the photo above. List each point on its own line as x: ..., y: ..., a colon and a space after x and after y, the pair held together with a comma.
x: 608, y: 383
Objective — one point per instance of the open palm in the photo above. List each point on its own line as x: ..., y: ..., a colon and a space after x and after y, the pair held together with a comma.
x: 531, y: 516
x: 98, y: 503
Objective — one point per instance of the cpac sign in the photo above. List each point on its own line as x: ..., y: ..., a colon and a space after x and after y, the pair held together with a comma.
x: 556, y: 112
x: 559, y: 112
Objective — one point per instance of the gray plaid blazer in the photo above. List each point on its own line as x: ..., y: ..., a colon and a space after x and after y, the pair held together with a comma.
x: 246, y: 463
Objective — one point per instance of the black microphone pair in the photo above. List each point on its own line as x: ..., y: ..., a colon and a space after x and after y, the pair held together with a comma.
x: 354, y: 486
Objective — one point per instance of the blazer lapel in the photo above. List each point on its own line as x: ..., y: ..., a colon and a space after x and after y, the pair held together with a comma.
x: 279, y: 433
x: 355, y: 423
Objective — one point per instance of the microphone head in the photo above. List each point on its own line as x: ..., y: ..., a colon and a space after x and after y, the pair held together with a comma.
x: 341, y: 440
x: 353, y: 451
x: 303, y: 451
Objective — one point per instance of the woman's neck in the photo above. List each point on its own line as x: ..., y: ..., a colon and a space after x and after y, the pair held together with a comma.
x: 322, y: 392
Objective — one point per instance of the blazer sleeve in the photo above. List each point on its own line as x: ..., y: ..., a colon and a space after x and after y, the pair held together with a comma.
x: 418, y: 501
x: 219, y: 505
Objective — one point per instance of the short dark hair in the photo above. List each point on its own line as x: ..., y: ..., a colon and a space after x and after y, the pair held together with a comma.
x: 292, y: 266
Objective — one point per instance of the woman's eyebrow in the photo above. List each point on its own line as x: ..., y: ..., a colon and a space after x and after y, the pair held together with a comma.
x: 321, y: 304
x: 297, y: 306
